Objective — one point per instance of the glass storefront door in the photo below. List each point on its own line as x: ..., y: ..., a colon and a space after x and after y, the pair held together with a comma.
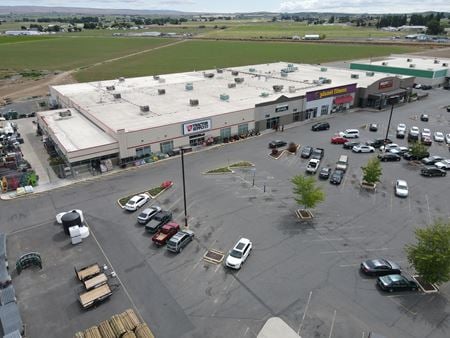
x: 196, y: 140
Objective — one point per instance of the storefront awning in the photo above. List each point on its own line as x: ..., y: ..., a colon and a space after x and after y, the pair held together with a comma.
x: 343, y: 99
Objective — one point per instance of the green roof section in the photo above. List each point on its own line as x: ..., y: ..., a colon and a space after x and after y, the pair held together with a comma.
x: 440, y: 73
x: 394, y: 70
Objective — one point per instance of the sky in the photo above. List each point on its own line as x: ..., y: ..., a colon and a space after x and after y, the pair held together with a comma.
x: 230, y: 6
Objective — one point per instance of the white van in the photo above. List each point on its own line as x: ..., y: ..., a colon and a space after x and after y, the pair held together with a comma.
x: 342, y: 163
x: 350, y: 133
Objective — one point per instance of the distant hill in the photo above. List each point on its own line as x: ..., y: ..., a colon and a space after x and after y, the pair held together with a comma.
x: 84, y: 11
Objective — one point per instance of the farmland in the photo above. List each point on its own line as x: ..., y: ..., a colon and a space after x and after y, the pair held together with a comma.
x: 197, y: 55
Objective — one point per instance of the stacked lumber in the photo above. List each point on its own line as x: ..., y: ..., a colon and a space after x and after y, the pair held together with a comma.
x: 123, y: 325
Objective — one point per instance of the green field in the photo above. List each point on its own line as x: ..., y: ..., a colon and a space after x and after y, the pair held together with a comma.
x: 65, y: 52
x: 198, y: 55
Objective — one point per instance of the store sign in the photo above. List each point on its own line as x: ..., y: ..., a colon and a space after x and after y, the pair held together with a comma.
x: 385, y: 84
x: 322, y: 94
x: 196, y: 127
x: 281, y: 108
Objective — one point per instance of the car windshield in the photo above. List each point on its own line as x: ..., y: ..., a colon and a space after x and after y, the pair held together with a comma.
x: 402, y: 186
x: 236, y: 254
x: 131, y: 202
x: 313, y: 164
x: 143, y: 215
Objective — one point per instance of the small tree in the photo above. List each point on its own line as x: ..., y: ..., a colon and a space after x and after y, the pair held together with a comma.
x: 418, y: 150
x: 372, y: 171
x: 430, y: 256
x: 306, y: 191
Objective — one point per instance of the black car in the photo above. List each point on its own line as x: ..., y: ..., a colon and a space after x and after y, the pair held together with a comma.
x: 325, y: 173
x: 448, y: 109
x: 410, y: 157
x: 158, y: 220
x: 373, y: 127
x: 379, y: 267
x: 426, y: 87
x: 424, y: 117
x: 336, y: 177
x: 306, y: 152
x: 400, y: 134
x: 432, y: 172
x: 377, y: 143
x: 432, y: 160
x: 320, y: 126
x: 396, y: 283
x: 389, y: 157
x: 350, y: 144
x: 277, y: 144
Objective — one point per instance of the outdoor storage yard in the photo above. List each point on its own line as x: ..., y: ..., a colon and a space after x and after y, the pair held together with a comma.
x: 305, y: 273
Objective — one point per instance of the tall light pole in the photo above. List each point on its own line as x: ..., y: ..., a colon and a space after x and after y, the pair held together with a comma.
x: 184, y: 186
x: 393, y: 100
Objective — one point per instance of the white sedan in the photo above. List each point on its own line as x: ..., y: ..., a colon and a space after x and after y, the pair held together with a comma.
x: 447, y: 138
x: 389, y: 146
x: 136, y: 202
x: 438, y: 136
x: 426, y: 132
x: 444, y: 164
x: 401, y: 188
x: 362, y: 148
x: 237, y: 256
x: 401, y: 127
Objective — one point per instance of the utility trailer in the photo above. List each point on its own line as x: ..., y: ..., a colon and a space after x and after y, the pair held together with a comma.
x: 95, y: 296
x: 87, y: 272
x: 95, y: 282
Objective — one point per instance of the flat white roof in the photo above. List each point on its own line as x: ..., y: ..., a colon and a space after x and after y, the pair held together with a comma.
x: 75, y: 132
x: 421, y: 63
x: 174, y: 106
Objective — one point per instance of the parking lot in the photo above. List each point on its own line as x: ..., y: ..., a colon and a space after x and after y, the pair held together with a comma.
x: 306, y: 273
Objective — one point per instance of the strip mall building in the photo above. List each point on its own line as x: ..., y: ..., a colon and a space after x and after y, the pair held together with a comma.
x: 131, y: 118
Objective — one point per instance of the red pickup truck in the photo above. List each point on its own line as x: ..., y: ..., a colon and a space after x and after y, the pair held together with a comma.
x: 165, y: 233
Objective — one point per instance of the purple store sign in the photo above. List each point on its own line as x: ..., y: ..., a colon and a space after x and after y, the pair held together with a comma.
x: 321, y: 94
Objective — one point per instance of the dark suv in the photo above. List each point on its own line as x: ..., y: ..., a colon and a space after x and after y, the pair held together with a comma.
x: 160, y: 218
x: 320, y: 126
x: 180, y: 240
x: 378, y: 142
x: 432, y: 172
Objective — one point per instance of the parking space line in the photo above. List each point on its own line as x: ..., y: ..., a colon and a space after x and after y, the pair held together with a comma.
x: 404, y: 307
x: 332, y: 324
x: 333, y: 239
x: 304, y: 313
x: 428, y: 208
x: 350, y: 251
x: 192, y: 270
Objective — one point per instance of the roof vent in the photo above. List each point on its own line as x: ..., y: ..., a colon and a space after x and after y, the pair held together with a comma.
x: 283, y: 74
x: 291, y: 89
x: 219, y: 70
x: 121, y: 79
x: 326, y: 81
x: 238, y: 79
x: 408, y: 60
x: 232, y: 85
x: 110, y: 88
x: 161, y: 91
x: 445, y: 64
x: 264, y: 94
x: 370, y: 73
x: 436, y: 61
x: 193, y: 102
x: 224, y: 97
x: 384, y: 63
x: 208, y: 75
x: 290, y: 65
x: 235, y: 73
x: 354, y: 76
x: 252, y: 70
x: 155, y: 77
x: 277, y: 88
x: 161, y: 80
x: 189, y: 86
x: 323, y: 69
x: 65, y: 113
x: 145, y: 109
x: 412, y: 65
x: 117, y: 95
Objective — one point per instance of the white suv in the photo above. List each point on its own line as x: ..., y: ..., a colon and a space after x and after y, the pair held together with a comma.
x: 312, y: 166
x: 350, y: 133
x: 237, y: 256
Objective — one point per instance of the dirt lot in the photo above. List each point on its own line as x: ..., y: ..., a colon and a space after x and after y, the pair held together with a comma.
x: 436, y: 52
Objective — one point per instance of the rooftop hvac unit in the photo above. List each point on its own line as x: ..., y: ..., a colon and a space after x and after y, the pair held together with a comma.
x: 264, y: 94
x: 161, y: 91
x: 290, y: 65
x: 65, y: 113
x: 252, y: 70
x: 121, y: 79
x: 224, y: 97
x: 408, y: 60
x: 155, y: 77
x: 145, y: 109
x: 316, y: 81
x: 161, y: 80
x: 219, y: 70
x: 384, y: 63
x: 323, y: 69
x: 238, y: 79
x: 354, y: 76
x: 189, y: 86
x: 232, y: 85
x: 193, y: 102
x: 291, y: 89
x: 370, y: 73
x: 412, y: 65
x: 436, y: 61
x: 277, y: 88
x: 283, y: 74
x: 117, y: 95
x: 110, y: 88
x: 326, y: 81
x: 445, y: 64
x: 208, y: 75
x: 235, y: 73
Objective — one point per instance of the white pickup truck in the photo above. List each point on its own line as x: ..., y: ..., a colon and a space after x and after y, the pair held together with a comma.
x: 312, y: 166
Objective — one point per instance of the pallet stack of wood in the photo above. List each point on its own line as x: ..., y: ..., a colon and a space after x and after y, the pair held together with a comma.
x: 124, y: 325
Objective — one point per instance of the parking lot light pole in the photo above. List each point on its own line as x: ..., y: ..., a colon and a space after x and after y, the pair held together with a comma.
x: 184, y: 186
x: 393, y: 100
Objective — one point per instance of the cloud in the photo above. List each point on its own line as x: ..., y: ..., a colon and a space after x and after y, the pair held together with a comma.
x: 363, y: 6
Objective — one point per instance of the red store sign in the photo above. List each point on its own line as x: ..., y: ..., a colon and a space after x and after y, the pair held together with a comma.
x: 385, y: 84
